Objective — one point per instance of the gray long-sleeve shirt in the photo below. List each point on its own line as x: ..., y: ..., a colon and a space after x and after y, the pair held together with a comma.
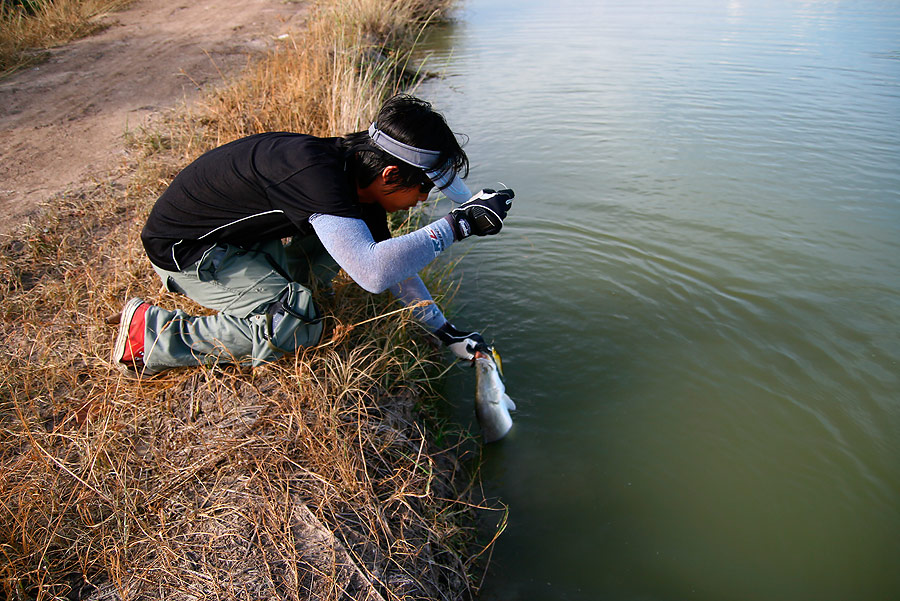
x: 392, y: 264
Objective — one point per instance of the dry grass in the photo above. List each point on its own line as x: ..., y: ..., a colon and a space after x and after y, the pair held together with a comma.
x: 209, y: 483
x: 327, y: 80
x: 25, y: 33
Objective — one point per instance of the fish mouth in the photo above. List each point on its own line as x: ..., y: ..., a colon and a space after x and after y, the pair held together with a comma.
x: 489, y: 353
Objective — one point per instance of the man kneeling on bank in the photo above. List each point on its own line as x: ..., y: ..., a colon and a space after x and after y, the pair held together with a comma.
x: 215, y: 235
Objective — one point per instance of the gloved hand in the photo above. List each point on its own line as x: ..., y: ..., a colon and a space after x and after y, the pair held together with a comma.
x: 482, y: 215
x: 463, y: 344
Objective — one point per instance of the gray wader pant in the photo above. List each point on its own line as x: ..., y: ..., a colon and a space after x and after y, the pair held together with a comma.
x: 264, y: 312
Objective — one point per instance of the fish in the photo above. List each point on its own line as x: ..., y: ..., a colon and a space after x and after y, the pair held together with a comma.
x: 492, y: 404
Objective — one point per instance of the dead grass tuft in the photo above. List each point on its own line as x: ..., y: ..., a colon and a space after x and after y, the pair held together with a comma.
x: 327, y: 475
x: 27, y: 27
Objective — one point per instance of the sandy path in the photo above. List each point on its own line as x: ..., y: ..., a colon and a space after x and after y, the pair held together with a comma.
x: 64, y: 120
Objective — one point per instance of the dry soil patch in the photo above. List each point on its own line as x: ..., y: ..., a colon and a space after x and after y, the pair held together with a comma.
x: 64, y: 120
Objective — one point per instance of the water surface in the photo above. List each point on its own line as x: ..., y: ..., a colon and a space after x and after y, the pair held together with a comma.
x: 696, y: 295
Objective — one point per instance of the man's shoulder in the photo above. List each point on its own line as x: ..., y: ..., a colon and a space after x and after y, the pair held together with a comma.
x: 295, y: 144
x: 279, y: 156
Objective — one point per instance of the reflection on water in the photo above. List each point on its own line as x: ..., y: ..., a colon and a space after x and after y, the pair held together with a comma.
x: 696, y: 296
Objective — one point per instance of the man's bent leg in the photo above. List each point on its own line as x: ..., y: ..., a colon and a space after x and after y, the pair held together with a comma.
x: 173, y: 338
x: 263, y: 315
x: 232, y: 279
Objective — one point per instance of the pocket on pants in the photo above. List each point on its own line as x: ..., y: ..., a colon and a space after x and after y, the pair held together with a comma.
x: 209, y: 264
x: 293, y: 323
x: 238, y: 281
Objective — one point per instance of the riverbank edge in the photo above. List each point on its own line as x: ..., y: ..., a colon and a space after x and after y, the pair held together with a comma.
x: 112, y: 483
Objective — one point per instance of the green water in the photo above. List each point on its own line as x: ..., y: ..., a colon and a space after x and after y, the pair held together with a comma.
x: 697, y: 294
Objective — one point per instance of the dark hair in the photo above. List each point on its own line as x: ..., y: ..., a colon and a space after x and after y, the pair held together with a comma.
x: 412, y: 121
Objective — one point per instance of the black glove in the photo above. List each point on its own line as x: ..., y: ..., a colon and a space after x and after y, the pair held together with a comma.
x: 482, y: 215
x: 463, y: 344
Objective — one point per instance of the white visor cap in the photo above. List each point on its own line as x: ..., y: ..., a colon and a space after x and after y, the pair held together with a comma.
x: 447, y: 179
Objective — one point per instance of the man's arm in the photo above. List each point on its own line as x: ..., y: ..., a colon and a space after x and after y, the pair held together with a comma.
x: 394, y: 264
x: 376, y: 266
x: 413, y: 290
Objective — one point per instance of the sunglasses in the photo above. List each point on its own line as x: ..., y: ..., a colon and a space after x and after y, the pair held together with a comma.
x: 426, y: 186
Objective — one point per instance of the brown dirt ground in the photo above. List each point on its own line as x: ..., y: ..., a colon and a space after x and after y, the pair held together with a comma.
x: 64, y: 121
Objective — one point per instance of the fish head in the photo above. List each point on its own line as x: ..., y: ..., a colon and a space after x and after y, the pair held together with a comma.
x: 484, y: 364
